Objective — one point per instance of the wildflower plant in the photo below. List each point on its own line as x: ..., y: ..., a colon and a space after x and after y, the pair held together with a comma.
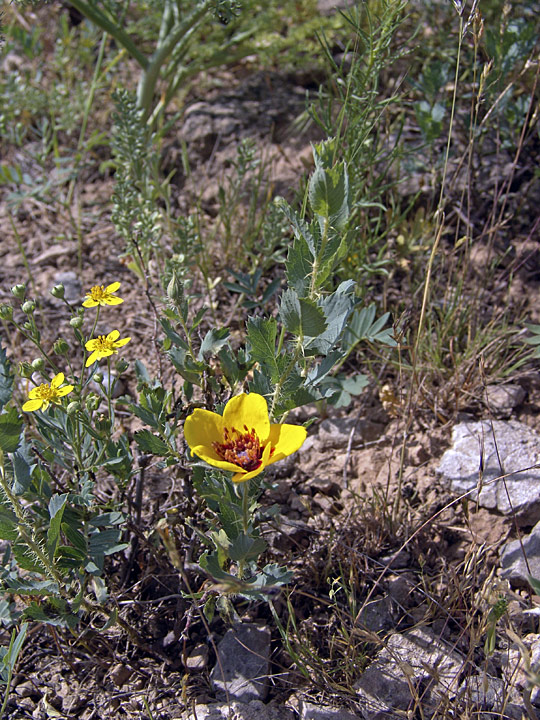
x: 288, y: 359
x: 59, y: 531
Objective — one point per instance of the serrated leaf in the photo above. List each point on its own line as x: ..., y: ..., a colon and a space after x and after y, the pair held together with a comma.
x: 262, y: 334
x: 299, y: 267
x: 302, y: 231
x: 10, y: 430
x: 336, y: 307
x: 329, y: 194
x: 151, y: 444
x: 290, y: 312
x: 22, y: 470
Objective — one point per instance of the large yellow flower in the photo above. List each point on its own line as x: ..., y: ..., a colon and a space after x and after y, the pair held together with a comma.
x: 99, y: 295
x: 103, y: 346
x: 43, y: 395
x: 241, y: 440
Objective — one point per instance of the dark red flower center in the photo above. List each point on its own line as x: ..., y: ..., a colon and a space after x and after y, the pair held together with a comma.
x: 240, y: 448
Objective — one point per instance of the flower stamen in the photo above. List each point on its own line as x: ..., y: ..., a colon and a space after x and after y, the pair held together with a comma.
x: 240, y: 448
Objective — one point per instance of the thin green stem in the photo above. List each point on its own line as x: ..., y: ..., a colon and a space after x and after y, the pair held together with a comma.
x: 102, y: 21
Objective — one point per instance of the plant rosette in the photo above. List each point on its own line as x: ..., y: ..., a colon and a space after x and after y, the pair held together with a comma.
x: 242, y: 440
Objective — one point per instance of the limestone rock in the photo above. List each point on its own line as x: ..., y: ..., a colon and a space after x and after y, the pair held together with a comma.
x: 415, y: 664
x: 502, y: 399
x: 485, y: 446
x: 254, y: 710
x: 514, y: 567
x: 312, y: 711
x: 243, y: 663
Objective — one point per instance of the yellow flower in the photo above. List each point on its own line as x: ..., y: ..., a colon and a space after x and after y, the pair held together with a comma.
x: 99, y: 295
x: 103, y: 346
x: 241, y: 440
x: 43, y: 395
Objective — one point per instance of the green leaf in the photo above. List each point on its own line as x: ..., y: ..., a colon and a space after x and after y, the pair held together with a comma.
x: 363, y: 326
x: 299, y: 267
x: 214, y: 339
x: 290, y: 311
x: 25, y: 559
x: 336, y: 307
x: 302, y: 231
x: 173, y: 336
x: 301, y: 315
x: 10, y: 430
x: 246, y: 548
x: 6, y: 379
x: 151, y: 444
x: 535, y: 584
x: 57, y: 505
x: 329, y: 194
x: 262, y: 334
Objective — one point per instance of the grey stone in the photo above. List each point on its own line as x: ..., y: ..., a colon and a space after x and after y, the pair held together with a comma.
x: 483, y: 692
x: 255, y: 710
x: 516, y: 447
x: 514, y: 567
x: 73, y: 291
x: 514, y: 667
x: 243, y: 663
x: 376, y: 616
x: 198, y: 657
x: 415, y: 666
x: 502, y: 399
x: 336, y: 433
x: 311, y: 711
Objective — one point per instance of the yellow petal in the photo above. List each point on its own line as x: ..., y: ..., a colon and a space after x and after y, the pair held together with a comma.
x: 113, y: 287
x: 33, y: 393
x: 94, y: 357
x: 202, y: 428
x: 57, y: 380
x: 91, y: 344
x: 31, y: 405
x: 113, y: 335
x: 113, y: 300
x: 209, y: 456
x: 64, y: 390
x: 250, y: 410
x: 121, y: 343
x: 90, y: 303
x: 285, y: 439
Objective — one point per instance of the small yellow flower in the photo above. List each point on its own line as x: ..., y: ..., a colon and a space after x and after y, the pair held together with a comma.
x: 241, y: 440
x: 99, y: 295
x: 104, y: 345
x: 43, y: 395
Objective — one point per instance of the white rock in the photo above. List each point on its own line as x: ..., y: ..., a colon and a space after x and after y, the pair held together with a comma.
x: 482, y: 453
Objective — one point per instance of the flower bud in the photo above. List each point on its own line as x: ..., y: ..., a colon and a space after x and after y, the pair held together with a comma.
x: 60, y: 347
x: 175, y: 289
x: 18, y: 291
x: 25, y: 370
x: 27, y: 326
x: 73, y: 407
x: 58, y: 291
x: 121, y: 366
x: 38, y: 364
x: 97, y: 378
x: 76, y: 322
x: 92, y: 402
x: 6, y: 312
x: 28, y: 307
